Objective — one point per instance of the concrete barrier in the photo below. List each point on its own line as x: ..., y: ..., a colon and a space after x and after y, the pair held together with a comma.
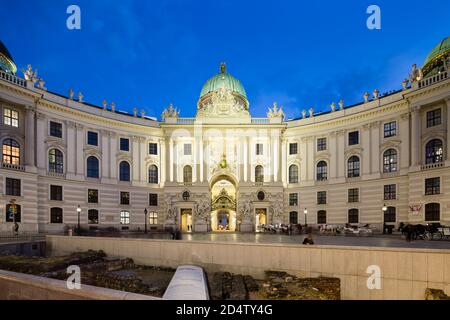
x: 405, y: 273
x: 19, y: 286
x: 188, y: 283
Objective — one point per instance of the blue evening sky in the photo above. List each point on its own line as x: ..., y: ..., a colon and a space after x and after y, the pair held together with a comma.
x: 147, y: 54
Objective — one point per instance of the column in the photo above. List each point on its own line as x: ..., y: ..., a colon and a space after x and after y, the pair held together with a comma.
x: 341, y: 164
x: 375, y: 150
x: 304, y: 159
x: 71, y: 152
x: 368, y: 154
x: 171, y: 159
x: 29, y: 137
x: 415, y: 136
x: 175, y: 161
x: 162, y: 160
x: 403, y: 131
x: 333, y: 155
x: 200, y: 160
x: 448, y: 129
x: 41, y: 134
x: 275, y: 157
x: 80, y: 153
x: 105, y: 154
x: 113, y: 155
x: 310, y: 164
x: 250, y: 160
x: 143, y: 151
x: 196, y: 168
x: 246, y: 159
x: 284, y: 159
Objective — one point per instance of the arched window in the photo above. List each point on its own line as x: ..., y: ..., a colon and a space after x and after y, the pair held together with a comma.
x: 92, y: 165
x: 353, y: 167
x: 259, y: 174
x: 353, y: 216
x: 56, y: 215
x: 11, y: 152
x: 55, y: 161
x: 389, y: 214
x: 124, y: 171
x: 390, y: 161
x: 153, y: 174
x: 293, y: 174
x: 13, y: 213
x: 322, y: 171
x: 293, y: 217
x: 93, y: 216
x: 187, y: 174
x: 321, y: 217
x: 432, y: 212
x: 434, y: 152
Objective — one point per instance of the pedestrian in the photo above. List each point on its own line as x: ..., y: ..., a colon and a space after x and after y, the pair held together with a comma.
x: 409, y: 233
x: 308, y: 239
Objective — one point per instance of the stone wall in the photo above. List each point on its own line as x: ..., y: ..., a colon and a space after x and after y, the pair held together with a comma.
x: 405, y: 273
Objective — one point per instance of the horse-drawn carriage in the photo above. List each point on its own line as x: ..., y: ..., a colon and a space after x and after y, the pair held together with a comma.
x: 431, y: 231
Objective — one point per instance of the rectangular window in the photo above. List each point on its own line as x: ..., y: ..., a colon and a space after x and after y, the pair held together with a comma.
x: 259, y: 149
x: 432, y: 186
x: 124, y: 198
x: 293, y: 148
x: 124, y: 217
x: 93, y: 216
x: 153, y: 218
x: 433, y: 118
x: 390, y: 192
x: 153, y: 199
x: 321, y: 144
x: 55, y: 129
x: 187, y: 149
x: 153, y: 148
x: 13, y: 187
x: 124, y: 144
x: 390, y: 129
x: 353, y: 195
x: 92, y: 138
x: 293, y: 199
x: 11, y: 117
x: 321, y: 197
x: 56, y: 215
x: 92, y: 196
x: 353, y: 138
x: 56, y: 193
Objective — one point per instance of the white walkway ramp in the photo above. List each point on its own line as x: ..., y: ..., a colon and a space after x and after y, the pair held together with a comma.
x: 188, y: 283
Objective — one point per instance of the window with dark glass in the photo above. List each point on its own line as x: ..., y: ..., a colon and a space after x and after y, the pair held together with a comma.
x: 11, y: 152
x: 353, y: 195
x: 56, y: 215
x: 124, y: 217
x: 293, y: 174
x: 55, y: 161
x: 390, y: 192
x: 124, y: 171
x: 259, y: 149
x: 293, y: 217
x: 13, y: 187
x: 153, y: 148
x: 93, y: 216
x: 432, y: 212
x: 432, y: 186
x: 124, y: 198
x: 13, y: 212
x: 261, y: 195
x: 92, y: 165
x: 390, y: 214
x: 55, y: 129
x: 56, y: 193
x: 390, y: 161
x: 92, y: 138
x: 124, y: 144
x: 321, y: 197
x: 293, y: 148
x: 434, y: 151
x: 293, y: 199
x: 92, y: 196
x: 433, y: 118
x: 390, y: 129
x: 321, y: 217
x: 187, y: 149
x: 10, y: 117
x: 153, y: 174
x: 321, y: 144
x: 353, y: 216
x: 322, y: 171
x: 153, y: 199
x: 353, y: 167
x: 353, y: 138
x: 259, y: 174
x: 187, y: 174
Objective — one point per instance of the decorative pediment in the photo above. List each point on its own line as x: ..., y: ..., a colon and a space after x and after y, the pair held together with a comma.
x: 391, y: 143
x: 223, y: 201
x: 92, y: 151
x: 353, y: 151
x: 55, y: 142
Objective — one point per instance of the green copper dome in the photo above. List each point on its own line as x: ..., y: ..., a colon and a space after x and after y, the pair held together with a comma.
x: 434, y: 61
x: 223, y: 80
x: 6, y: 61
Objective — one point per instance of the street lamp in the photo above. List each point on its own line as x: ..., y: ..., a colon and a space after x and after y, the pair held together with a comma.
x: 145, y: 213
x: 79, y: 212
x: 306, y: 213
x: 384, y: 208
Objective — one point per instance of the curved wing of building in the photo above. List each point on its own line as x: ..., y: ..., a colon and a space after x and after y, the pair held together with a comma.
x: 383, y: 161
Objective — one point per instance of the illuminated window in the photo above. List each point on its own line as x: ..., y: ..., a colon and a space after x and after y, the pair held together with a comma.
x: 11, y: 152
x: 124, y: 217
x: 55, y: 161
x: 10, y: 117
x: 153, y: 218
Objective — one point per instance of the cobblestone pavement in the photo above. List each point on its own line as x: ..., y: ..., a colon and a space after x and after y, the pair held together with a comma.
x: 393, y: 241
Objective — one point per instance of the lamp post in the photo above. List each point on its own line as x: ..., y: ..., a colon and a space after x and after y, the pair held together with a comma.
x: 79, y: 212
x: 306, y: 213
x: 384, y: 209
x: 145, y: 213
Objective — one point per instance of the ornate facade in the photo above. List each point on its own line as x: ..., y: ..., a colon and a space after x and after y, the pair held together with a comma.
x: 384, y: 160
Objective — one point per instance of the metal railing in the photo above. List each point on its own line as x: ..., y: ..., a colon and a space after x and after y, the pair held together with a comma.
x: 13, y: 79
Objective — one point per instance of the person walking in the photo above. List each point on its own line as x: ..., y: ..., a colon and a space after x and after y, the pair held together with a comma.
x: 308, y: 239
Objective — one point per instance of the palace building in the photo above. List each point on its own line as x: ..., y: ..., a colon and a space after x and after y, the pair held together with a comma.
x: 384, y: 160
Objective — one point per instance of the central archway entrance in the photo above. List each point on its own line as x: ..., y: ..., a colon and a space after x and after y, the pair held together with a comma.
x: 223, y: 205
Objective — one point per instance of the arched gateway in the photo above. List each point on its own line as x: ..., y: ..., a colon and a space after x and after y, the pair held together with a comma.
x: 223, y: 203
